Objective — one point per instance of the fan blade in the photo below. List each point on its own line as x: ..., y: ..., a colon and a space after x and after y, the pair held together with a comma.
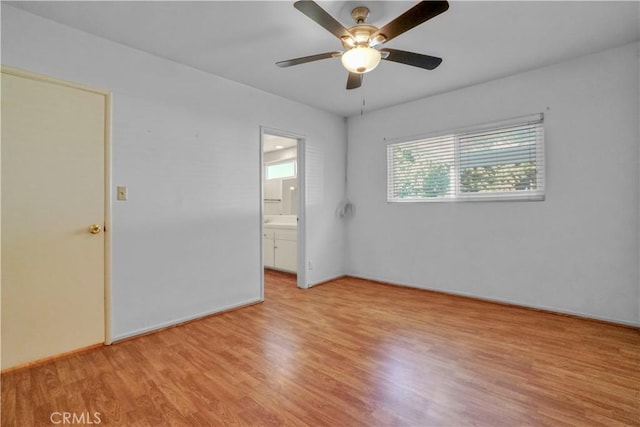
x: 413, y: 17
x: 320, y: 16
x: 354, y: 81
x: 410, y: 58
x: 305, y: 59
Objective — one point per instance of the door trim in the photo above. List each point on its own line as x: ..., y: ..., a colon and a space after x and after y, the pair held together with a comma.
x: 301, y: 270
x: 107, y: 178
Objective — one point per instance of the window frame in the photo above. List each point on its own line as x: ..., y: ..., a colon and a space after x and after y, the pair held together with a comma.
x: 538, y: 194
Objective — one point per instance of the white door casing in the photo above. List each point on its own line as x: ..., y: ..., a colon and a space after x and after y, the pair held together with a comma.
x: 300, y: 250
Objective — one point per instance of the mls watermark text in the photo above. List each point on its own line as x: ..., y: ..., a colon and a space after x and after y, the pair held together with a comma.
x: 83, y: 418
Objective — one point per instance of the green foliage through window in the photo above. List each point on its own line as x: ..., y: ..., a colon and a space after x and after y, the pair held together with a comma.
x: 421, y: 177
x: 512, y: 177
x: 495, y: 163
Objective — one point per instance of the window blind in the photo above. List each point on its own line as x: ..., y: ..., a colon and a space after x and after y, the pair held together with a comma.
x: 490, y: 162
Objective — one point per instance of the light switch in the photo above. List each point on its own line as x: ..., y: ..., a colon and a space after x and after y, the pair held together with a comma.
x: 122, y: 193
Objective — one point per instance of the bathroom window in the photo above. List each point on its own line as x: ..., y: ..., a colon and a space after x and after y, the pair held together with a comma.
x: 281, y: 170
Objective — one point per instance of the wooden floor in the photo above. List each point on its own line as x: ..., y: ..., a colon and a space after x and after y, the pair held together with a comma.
x: 348, y: 353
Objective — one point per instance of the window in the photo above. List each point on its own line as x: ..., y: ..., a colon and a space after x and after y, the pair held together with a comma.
x: 492, y: 162
x: 281, y: 170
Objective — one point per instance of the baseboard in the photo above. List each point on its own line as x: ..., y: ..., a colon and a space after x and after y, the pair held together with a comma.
x: 540, y: 308
x: 50, y: 358
x: 184, y: 320
x: 324, y: 282
x: 291, y: 274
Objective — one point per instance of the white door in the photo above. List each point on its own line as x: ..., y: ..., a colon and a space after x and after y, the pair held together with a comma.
x: 54, y: 136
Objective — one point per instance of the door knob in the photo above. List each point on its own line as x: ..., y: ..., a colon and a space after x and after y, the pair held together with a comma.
x: 95, y: 228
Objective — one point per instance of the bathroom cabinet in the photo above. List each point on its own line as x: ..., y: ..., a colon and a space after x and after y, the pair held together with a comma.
x: 279, y: 248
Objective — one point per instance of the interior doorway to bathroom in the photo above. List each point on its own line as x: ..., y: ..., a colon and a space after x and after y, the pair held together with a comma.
x: 282, y: 226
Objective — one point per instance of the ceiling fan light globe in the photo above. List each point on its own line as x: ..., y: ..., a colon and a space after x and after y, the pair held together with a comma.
x: 361, y: 59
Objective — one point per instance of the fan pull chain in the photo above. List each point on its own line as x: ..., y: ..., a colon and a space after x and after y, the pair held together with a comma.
x: 362, y: 108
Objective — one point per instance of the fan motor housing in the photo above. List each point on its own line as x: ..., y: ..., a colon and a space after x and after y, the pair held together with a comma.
x: 361, y: 33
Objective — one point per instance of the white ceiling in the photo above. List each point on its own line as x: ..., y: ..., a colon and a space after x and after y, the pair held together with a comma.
x: 275, y: 143
x: 241, y: 41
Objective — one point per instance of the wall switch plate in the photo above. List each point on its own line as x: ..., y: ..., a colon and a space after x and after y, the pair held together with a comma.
x: 122, y: 193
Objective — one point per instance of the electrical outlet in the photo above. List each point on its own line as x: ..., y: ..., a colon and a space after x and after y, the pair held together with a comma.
x: 310, y: 265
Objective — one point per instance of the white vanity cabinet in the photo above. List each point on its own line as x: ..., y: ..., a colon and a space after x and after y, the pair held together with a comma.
x: 279, y: 247
x: 267, y: 248
x: 285, y: 250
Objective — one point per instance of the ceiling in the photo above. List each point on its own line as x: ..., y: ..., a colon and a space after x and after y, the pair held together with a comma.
x: 275, y: 142
x: 241, y: 41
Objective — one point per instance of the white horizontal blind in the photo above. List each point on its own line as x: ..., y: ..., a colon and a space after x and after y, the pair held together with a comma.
x: 493, y: 163
x: 422, y: 169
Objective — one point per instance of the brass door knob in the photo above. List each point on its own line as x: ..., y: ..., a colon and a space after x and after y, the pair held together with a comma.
x: 95, y: 228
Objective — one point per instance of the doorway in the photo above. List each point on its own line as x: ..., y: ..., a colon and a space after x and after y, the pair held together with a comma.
x: 55, y: 208
x: 282, y: 204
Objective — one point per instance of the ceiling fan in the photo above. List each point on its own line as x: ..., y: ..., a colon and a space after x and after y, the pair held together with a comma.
x: 363, y: 42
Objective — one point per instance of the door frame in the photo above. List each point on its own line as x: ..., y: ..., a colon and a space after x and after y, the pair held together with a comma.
x: 18, y: 72
x: 301, y: 229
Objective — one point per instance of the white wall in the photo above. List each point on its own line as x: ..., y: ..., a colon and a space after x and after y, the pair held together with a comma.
x: 183, y: 244
x: 576, y: 252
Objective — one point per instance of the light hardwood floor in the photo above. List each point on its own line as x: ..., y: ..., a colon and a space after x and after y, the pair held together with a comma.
x: 348, y: 353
